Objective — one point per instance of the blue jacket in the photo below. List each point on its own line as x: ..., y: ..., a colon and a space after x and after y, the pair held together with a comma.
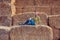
x: 30, y: 22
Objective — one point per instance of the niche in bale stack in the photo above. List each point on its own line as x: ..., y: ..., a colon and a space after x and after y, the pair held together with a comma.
x: 5, y: 7
x: 54, y: 22
x: 17, y: 19
x: 5, y: 21
x: 31, y: 33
